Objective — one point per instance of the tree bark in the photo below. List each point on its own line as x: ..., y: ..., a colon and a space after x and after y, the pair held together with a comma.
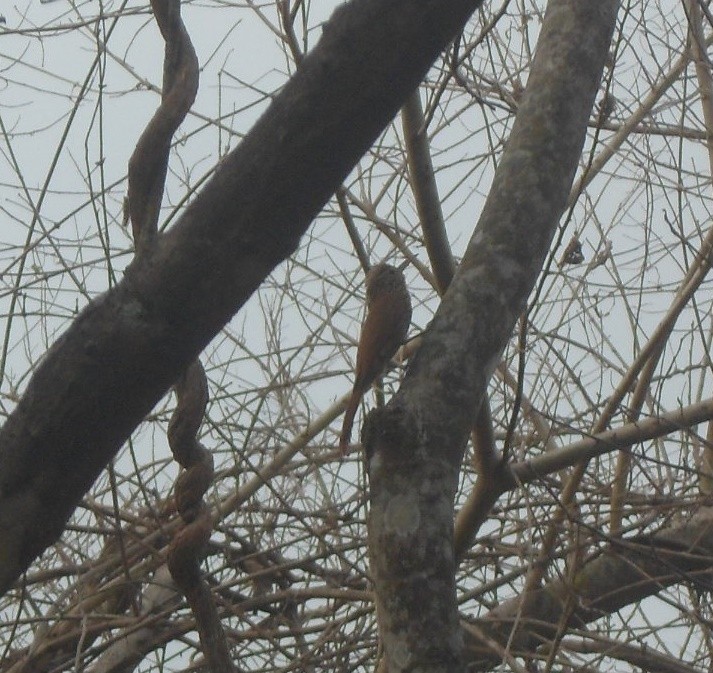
x: 415, y: 444
x: 127, y: 347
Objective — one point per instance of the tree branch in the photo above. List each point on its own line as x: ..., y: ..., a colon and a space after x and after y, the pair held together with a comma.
x: 623, y: 573
x: 415, y: 444
x: 128, y: 346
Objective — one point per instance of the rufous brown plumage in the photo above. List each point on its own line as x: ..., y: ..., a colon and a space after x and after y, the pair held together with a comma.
x: 388, y: 315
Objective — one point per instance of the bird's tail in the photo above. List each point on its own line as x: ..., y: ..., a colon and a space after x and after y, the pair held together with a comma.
x: 348, y: 422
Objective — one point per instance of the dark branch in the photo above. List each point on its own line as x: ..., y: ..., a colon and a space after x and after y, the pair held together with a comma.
x: 127, y: 347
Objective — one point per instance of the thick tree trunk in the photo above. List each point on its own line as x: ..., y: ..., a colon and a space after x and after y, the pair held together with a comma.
x: 415, y: 444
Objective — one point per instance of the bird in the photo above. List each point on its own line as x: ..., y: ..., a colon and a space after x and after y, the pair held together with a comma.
x: 388, y: 316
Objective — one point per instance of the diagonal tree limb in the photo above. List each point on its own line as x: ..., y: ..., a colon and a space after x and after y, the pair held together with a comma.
x: 622, y: 573
x: 129, y: 345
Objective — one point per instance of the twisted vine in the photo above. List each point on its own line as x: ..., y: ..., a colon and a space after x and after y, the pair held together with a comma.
x: 188, y: 546
x: 149, y: 162
x: 147, y: 175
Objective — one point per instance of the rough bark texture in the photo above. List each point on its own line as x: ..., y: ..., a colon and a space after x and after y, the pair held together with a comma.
x: 128, y: 346
x: 415, y: 444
